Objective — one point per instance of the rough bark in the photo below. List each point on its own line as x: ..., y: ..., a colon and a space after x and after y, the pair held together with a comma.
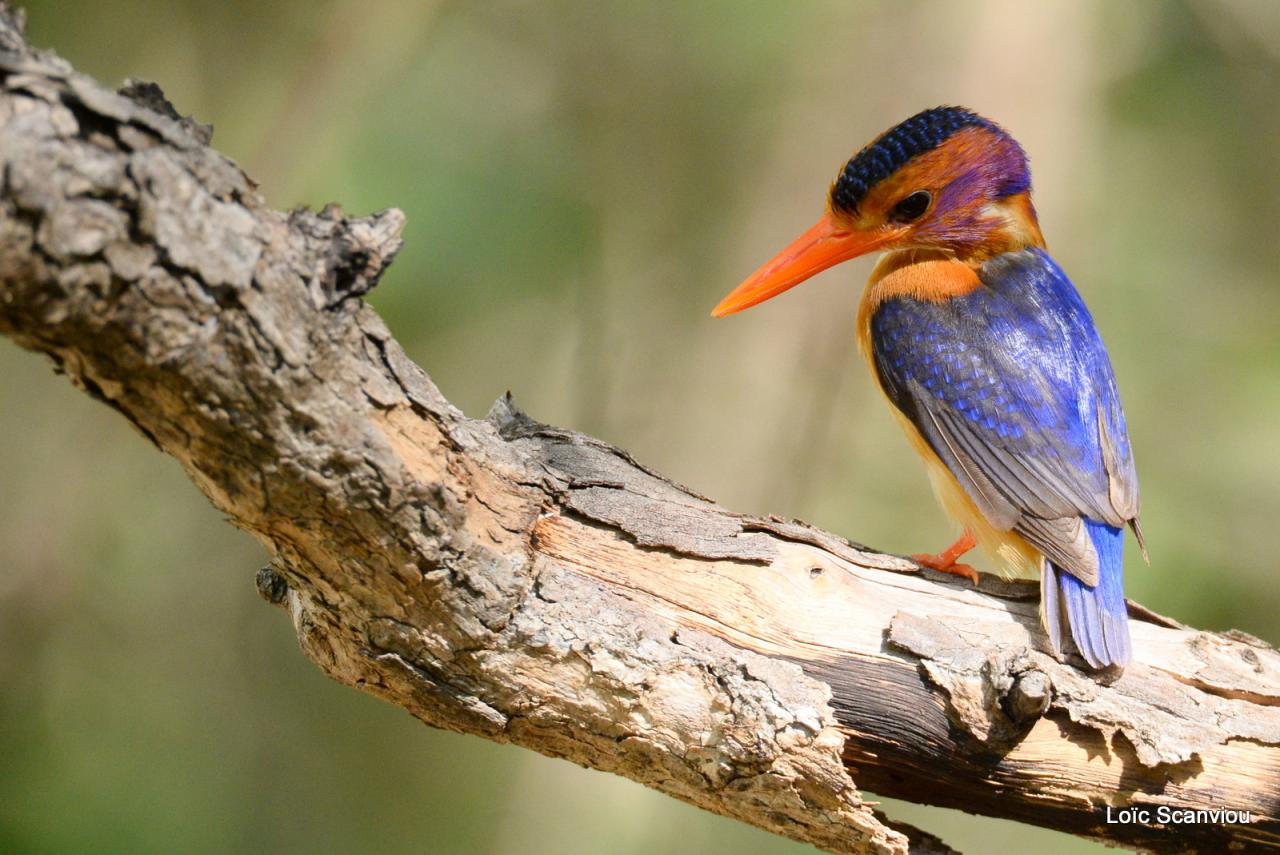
x: 532, y: 585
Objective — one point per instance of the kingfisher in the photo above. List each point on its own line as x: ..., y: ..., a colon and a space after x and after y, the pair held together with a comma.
x: 991, y: 362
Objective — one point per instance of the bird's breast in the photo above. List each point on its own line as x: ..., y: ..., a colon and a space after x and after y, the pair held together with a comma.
x: 914, y: 274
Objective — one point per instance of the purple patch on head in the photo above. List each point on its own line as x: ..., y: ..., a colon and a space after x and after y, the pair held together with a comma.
x: 1010, y: 163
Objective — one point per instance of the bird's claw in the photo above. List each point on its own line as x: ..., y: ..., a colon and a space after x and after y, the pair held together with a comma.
x: 943, y: 565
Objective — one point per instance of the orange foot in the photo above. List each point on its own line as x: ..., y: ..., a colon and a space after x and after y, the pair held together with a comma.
x: 945, y: 561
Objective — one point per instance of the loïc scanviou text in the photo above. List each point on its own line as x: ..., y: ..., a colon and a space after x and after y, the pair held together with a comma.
x: 1164, y: 815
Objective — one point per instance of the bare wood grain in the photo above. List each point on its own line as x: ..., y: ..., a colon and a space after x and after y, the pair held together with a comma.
x: 527, y: 584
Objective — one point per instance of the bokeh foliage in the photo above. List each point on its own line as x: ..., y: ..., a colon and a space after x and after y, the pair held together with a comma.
x: 583, y: 180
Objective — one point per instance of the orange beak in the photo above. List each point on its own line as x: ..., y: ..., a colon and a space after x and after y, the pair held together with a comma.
x: 825, y: 245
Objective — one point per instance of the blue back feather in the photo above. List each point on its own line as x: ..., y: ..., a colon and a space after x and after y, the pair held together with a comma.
x: 1019, y: 358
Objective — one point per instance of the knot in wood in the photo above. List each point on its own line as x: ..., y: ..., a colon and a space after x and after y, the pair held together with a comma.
x: 1028, y: 697
x: 271, y: 585
x: 354, y: 251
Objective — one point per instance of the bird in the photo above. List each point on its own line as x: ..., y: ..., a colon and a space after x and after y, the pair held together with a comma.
x: 991, y: 363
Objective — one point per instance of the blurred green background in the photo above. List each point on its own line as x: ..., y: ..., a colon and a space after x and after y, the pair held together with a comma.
x: 583, y: 180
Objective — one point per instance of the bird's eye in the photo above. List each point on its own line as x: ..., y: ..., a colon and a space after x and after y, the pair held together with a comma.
x: 912, y: 207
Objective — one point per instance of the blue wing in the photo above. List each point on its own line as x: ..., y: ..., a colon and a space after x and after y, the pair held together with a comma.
x: 1012, y: 387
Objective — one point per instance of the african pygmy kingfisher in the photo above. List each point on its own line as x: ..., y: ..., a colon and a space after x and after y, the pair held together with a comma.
x: 990, y: 360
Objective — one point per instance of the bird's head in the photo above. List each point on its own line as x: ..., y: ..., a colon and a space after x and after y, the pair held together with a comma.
x: 945, y: 180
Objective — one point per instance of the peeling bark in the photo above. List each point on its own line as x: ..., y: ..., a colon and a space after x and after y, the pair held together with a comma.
x: 528, y: 584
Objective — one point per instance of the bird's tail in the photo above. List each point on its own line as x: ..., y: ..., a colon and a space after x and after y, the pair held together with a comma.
x: 1096, y: 617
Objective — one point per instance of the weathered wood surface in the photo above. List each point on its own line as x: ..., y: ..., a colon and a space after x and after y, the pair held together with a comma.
x: 532, y: 585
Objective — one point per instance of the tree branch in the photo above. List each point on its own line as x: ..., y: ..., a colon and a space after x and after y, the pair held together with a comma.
x: 532, y: 585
